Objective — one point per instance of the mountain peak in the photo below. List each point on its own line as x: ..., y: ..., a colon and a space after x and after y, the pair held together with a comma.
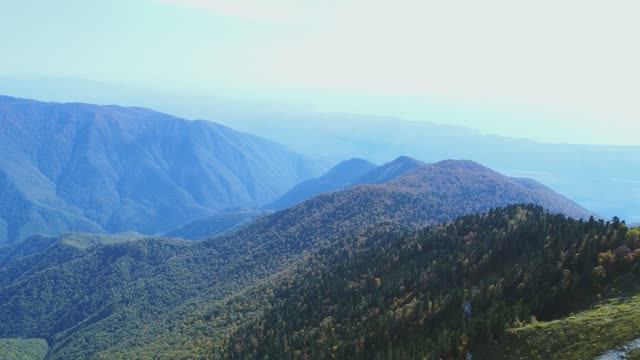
x: 403, y: 159
x: 391, y: 170
x: 461, y: 164
x: 349, y: 165
x: 342, y: 175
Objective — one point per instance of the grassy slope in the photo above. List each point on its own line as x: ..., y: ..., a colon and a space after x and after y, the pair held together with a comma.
x: 584, y: 335
x: 23, y: 349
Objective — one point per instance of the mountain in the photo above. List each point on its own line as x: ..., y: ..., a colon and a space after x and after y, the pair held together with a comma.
x: 426, y: 195
x: 217, y: 223
x: 95, y: 294
x: 432, y: 184
x: 342, y: 175
x: 445, y: 291
x: 610, y: 191
x: 390, y: 170
x: 81, y: 167
x: 566, y: 168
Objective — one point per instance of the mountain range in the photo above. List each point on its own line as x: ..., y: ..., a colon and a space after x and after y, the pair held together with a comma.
x: 408, y: 259
x: 354, y: 172
x: 81, y: 167
x: 442, y: 292
x: 612, y: 190
x: 81, y: 289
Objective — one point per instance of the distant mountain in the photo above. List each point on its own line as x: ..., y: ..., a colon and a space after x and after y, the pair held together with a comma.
x: 611, y: 190
x: 347, y: 173
x: 463, y: 184
x: 80, y: 167
x: 428, y: 194
x: 566, y: 168
x: 342, y: 175
x: 406, y: 173
x: 390, y: 170
x: 95, y: 295
x: 217, y: 223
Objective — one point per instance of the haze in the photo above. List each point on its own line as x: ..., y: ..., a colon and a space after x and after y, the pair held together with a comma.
x: 553, y: 71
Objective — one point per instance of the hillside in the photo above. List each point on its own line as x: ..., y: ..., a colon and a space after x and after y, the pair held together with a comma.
x: 427, y: 195
x: 23, y: 349
x: 443, y: 291
x: 217, y: 223
x: 106, y: 292
x: 82, y: 287
x: 342, y: 175
x: 584, y: 335
x: 406, y: 174
x: 347, y: 173
x: 81, y: 167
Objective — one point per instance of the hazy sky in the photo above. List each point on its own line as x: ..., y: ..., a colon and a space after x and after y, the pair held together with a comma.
x: 552, y: 70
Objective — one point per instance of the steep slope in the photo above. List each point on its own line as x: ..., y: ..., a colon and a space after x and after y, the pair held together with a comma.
x: 83, y: 167
x: 440, y: 292
x: 116, y: 294
x: 82, y: 281
x: 583, y: 335
x: 426, y: 195
x: 342, y: 175
x: 217, y: 223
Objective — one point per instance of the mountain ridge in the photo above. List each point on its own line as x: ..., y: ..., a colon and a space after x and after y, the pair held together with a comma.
x: 84, y: 167
x: 341, y: 175
x: 405, y: 173
x: 173, y: 278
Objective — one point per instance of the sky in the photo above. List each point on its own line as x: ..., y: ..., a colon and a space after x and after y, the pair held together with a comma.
x: 551, y: 70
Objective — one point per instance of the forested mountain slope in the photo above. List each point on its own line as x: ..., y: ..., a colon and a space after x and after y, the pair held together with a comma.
x: 407, y: 174
x: 342, y: 175
x: 81, y: 167
x: 219, y: 222
x: 439, y: 292
x: 91, y: 295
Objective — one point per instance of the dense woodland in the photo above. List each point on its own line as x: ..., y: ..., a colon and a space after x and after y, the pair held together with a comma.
x: 93, y: 168
x: 23, y: 349
x: 439, y: 292
x: 127, y: 296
